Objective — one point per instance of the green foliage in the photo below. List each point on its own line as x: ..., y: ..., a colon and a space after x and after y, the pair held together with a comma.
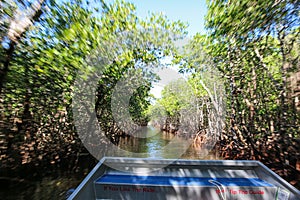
x: 248, y: 19
x: 37, y: 119
x: 175, y: 97
x: 255, y: 47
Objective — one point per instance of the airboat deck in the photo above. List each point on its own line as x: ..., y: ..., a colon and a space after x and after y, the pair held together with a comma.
x: 139, y: 178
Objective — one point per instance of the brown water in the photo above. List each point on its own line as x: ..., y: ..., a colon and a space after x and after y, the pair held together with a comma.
x: 149, y: 142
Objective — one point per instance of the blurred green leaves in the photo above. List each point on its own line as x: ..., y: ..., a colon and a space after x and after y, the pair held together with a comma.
x: 53, y: 51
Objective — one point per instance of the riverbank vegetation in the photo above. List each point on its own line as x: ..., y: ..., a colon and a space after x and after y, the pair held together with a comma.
x: 251, y: 48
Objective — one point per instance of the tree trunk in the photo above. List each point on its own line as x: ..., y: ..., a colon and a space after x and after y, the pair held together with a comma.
x: 6, y: 63
x: 18, y: 27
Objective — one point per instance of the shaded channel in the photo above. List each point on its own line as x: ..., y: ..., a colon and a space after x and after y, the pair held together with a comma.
x: 151, y: 141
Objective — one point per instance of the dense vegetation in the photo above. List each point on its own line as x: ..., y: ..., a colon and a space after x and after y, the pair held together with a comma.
x: 256, y: 47
x: 41, y: 60
x: 46, y: 46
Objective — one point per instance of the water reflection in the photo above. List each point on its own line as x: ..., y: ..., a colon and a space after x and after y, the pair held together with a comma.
x: 152, y: 142
x: 47, y: 188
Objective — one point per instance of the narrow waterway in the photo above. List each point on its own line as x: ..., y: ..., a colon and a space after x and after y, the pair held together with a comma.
x: 148, y: 142
x: 152, y: 143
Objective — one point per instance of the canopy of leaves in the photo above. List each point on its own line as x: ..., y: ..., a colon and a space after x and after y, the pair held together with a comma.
x: 52, y: 51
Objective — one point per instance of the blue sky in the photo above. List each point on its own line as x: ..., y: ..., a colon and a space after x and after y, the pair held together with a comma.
x: 190, y: 11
